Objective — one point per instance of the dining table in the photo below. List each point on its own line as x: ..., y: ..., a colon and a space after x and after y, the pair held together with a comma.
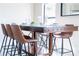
x: 50, y: 30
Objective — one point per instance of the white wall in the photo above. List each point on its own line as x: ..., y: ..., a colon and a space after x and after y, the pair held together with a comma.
x: 15, y: 13
x: 37, y: 12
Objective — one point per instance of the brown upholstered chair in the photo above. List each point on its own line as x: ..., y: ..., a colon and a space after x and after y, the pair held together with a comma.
x: 4, y: 30
x: 10, y: 35
x: 9, y: 31
x: 4, y: 39
x: 18, y: 35
x: 64, y: 35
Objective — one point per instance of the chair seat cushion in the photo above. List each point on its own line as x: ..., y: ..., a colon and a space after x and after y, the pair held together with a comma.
x: 62, y: 36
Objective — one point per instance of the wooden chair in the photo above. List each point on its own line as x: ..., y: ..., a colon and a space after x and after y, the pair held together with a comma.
x: 21, y: 39
x: 4, y: 39
x: 65, y: 35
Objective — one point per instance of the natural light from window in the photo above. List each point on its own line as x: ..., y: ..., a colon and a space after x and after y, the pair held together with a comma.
x: 49, y: 13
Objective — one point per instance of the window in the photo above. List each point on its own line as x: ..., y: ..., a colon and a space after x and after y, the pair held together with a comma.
x: 49, y: 13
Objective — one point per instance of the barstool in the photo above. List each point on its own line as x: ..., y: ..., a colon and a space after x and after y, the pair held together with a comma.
x: 21, y: 39
x: 14, y: 42
x: 10, y: 35
x: 43, y: 42
x: 64, y: 35
x: 4, y: 42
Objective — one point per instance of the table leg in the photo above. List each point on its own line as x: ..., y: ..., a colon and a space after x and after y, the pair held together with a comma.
x: 50, y: 43
x: 33, y: 45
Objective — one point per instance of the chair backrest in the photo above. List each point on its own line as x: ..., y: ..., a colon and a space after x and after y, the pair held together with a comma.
x: 9, y: 31
x: 17, y: 33
x: 68, y: 33
x: 4, y: 30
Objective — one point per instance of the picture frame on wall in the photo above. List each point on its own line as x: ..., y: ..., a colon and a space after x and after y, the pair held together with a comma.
x: 69, y: 9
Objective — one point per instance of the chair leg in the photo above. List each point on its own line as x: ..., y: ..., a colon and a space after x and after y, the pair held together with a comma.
x: 54, y: 40
x: 71, y: 46
x: 35, y: 48
x: 15, y: 48
x: 5, y: 45
x: 46, y: 41
x: 41, y: 40
x: 2, y: 44
x: 62, y: 47
x: 29, y: 47
x: 20, y: 49
x: 25, y: 49
x: 12, y: 46
x: 8, y: 46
